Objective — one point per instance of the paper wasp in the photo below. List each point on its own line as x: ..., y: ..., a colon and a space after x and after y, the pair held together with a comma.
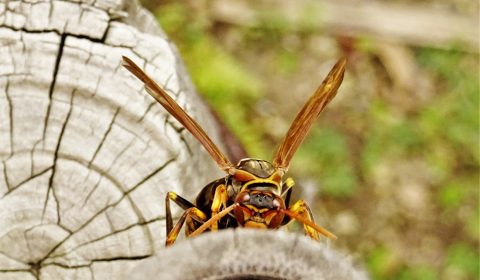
x: 253, y: 193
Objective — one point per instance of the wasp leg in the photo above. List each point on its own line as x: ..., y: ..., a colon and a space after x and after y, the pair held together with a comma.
x: 219, y: 199
x: 191, y: 213
x: 302, y: 209
x: 180, y: 201
x: 191, y: 225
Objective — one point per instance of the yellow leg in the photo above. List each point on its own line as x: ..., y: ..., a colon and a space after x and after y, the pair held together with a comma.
x: 302, y: 209
x: 192, y: 213
x: 220, y: 199
x: 180, y: 201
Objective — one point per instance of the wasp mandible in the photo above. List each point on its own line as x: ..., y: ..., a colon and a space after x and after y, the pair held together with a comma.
x: 253, y: 194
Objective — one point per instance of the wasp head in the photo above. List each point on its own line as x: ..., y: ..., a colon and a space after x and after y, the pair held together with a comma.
x: 258, y: 199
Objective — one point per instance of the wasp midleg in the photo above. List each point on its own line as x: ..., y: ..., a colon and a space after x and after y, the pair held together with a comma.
x: 194, y: 216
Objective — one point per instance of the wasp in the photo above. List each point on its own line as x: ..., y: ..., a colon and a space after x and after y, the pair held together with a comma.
x: 253, y: 193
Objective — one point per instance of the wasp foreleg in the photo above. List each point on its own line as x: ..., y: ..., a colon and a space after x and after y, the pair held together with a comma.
x: 220, y: 199
x: 302, y: 209
x: 301, y: 212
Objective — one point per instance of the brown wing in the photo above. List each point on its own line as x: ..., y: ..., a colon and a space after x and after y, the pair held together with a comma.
x: 310, y: 111
x: 175, y: 110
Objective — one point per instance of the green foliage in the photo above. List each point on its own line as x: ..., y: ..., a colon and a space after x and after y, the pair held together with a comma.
x: 457, y: 192
x: 381, y: 261
x: 287, y: 62
x: 272, y: 24
x: 454, y: 116
x: 417, y: 273
x: 464, y: 259
x: 325, y: 154
x: 389, y: 136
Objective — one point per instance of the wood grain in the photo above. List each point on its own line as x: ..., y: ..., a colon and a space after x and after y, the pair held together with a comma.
x: 86, y: 156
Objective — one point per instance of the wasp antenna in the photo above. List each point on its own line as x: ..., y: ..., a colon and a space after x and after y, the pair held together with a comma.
x: 212, y: 220
x: 309, y: 223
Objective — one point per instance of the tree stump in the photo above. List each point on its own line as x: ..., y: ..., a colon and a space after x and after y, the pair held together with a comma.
x: 86, y: 156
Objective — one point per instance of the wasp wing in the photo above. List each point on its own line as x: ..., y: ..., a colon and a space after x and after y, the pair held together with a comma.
x: 175, y: 110
x: 309, y: 113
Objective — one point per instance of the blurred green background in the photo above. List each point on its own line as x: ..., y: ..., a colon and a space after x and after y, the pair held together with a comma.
x: 392, y: 165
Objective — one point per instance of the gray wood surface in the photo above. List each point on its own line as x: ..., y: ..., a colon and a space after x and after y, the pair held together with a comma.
x: 248, y: 254
x: 86, y: 156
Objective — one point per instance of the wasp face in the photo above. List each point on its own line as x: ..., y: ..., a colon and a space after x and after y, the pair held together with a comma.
x: 258, y: 200
x: 259, y: 209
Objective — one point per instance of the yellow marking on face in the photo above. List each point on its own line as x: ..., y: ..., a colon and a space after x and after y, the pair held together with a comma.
x: 269, y: 217
x: 251, y: 207
x: 248, y: 178
x: 276, y: 185
x: 256, y: 210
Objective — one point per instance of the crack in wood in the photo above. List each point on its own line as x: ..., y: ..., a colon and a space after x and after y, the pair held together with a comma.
x: 52, y: 85
x: 54, y: 167
x: 92, y: 261
x: 10, y: 115
x: 146, y: 178
x: 35, y: 269
x: 105, y: 33
x: 92, y: 275
x: 10, y: 190
x: 139, y: 224
x: 5, y: 175
x: 105, y: 135
x: 101, y: 40
x: 14, y: 270
x: 32, y: 157
x: 107, y: 171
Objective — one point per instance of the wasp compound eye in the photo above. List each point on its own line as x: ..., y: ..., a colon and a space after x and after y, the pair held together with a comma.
x: 243, y: 197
